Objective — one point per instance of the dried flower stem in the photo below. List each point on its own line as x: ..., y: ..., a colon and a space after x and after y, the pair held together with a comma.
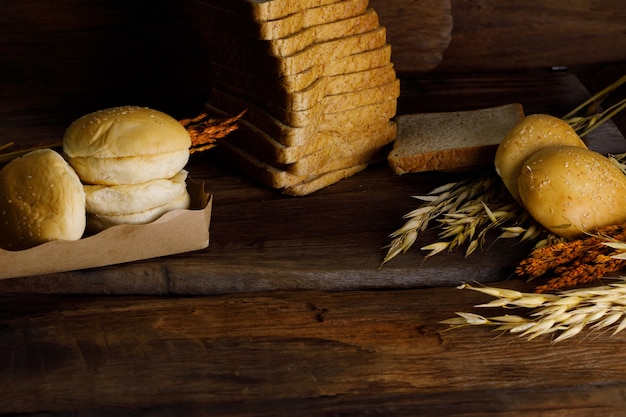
x: 566, y: 313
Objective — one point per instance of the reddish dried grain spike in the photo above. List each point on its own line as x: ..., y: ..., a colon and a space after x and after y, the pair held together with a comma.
x: 205, y: 131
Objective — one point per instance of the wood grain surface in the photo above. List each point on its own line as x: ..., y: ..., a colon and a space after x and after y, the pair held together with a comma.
x: 419, y: 32
x: 292, y: 318
x: 491, y: 35
x: 293, y: 354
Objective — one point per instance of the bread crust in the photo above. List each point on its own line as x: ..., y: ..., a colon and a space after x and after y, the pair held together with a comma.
x: 41, y: 199
x: 571, y: 190
x: 124, y: 131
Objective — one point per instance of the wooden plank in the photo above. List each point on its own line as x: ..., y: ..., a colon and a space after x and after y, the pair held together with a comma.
x: 333, y: 239
x: 490, y: 35
x: 419, y: 32
x: 294, y: 353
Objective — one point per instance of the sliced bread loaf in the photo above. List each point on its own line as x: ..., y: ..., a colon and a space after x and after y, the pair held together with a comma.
x: 451, y: 140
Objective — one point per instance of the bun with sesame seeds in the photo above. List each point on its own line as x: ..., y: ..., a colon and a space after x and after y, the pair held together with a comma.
x: 126, y: 145
x: 41, y: 199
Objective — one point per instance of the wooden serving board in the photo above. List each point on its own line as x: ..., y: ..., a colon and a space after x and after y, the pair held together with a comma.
x: 333, y: 239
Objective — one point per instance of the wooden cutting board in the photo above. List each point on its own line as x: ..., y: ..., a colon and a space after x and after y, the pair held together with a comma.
x: 333, y: 239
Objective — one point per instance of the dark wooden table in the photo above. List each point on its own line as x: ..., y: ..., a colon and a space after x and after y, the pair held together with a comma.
x: 287, y: 313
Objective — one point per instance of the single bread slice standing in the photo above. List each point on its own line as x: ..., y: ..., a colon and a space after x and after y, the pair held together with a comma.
x: 451, y: 140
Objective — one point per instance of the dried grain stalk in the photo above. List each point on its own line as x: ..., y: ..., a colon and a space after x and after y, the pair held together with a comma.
x: 464, y: 212
x: 562, y: 315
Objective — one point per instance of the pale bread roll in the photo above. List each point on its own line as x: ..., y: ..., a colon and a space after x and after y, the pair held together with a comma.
x: 572, y: 190
x: 126, y: 145
x: 533, y: 133
x: 99, y: 222
x: 134, y: 198
x: 41, y: 199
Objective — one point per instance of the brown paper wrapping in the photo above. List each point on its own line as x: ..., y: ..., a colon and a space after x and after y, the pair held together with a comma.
x: 177, y: 231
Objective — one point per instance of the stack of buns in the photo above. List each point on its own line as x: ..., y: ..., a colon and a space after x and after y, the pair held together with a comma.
x: 317, y: 83
x: 131, y: 162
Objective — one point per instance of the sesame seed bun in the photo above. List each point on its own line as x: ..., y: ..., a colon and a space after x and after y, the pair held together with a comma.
x: 41, y: 199
x: 126, y: 145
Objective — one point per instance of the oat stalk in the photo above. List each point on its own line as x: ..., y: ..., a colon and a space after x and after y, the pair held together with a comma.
x: 562, y: 315
x: 586, y: 118
x: 464, y: 212
x: 9, y: 156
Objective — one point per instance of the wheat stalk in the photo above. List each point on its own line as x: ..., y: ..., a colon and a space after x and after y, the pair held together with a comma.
x: 566, y: 313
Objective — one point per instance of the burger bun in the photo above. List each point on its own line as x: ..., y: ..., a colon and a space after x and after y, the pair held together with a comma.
x: 41, y: 199
x: 126, y: 145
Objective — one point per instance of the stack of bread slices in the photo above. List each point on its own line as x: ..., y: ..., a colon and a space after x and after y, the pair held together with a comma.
x: 317, y: 83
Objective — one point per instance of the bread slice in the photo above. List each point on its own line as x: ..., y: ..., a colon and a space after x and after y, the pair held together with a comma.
x: 281, y: 84
x: 323, y: 32
x: 451, y: 140
x: 258, y: 92
x: 323, y: 147
x: 267, y: 10
x: 306, y: 37
x: 338, y: 142
x: 335, y: 103
x: 321, y: 181
x: 356, y: 121
x: 247, y: 56
x: 297, y: 30
x: 332, y: 156
x: 279, y: 179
